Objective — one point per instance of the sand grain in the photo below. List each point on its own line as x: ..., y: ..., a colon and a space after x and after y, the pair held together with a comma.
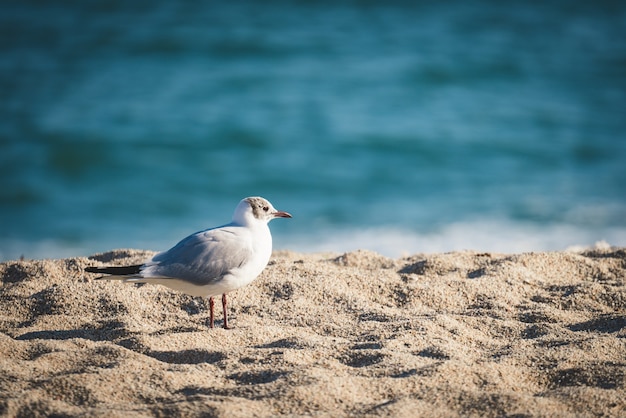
x: 358, y: 334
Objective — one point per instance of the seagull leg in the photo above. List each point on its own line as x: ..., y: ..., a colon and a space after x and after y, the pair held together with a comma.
x: 225, y: 314
x: 211, y: 308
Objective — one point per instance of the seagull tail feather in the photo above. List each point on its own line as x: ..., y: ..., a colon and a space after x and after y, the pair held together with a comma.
x: 115, y: 272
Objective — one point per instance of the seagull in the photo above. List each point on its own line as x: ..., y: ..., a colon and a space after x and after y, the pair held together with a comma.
x: 210, y: 262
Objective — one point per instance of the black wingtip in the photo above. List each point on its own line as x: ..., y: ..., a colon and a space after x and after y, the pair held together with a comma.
x: 116, y: 270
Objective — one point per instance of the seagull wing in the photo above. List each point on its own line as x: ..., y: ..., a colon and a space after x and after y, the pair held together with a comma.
x: 202, y: 258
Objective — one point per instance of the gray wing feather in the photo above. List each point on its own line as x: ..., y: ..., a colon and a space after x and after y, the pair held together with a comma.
x: 202, y: 258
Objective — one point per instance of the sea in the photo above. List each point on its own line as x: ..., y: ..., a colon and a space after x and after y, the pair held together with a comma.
x: 399, y: 127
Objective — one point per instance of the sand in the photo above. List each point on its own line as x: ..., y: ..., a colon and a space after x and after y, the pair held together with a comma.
x: 358, y: 334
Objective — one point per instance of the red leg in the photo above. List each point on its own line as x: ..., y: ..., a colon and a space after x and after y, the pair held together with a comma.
x: 211, y: 309
x: 225, y: 314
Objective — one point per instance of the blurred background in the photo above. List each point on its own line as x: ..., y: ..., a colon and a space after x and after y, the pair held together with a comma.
x: 398, y: 127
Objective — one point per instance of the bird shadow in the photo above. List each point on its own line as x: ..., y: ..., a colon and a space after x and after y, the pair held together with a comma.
x: 115, y: 333
x: 107, y: 331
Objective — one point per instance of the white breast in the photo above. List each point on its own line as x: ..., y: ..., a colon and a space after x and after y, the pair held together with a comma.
x: 244, y: 275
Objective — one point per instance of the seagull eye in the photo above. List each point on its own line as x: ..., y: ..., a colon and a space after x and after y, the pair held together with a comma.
x: 265, y: 208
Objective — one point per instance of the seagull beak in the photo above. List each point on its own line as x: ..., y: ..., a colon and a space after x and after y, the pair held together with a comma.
x: 279, y: 214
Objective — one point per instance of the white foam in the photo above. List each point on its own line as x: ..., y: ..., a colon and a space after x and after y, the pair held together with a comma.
x: 493, y: 236
x: 480, y: 235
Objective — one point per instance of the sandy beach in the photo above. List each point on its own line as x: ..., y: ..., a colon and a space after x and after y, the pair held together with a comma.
x: 355, y: 334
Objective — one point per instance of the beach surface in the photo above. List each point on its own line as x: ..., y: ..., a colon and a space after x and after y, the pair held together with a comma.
x: 355, y: 334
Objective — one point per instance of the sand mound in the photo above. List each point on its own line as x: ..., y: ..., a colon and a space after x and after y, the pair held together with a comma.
x: 470, y: 334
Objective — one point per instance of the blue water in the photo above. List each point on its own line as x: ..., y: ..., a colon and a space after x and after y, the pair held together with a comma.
x: 398, y: 127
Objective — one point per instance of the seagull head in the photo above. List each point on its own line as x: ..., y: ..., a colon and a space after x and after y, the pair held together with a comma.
x: 256, y: 209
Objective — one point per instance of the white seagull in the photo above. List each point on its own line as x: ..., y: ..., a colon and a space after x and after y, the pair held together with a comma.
x: 210, y: 262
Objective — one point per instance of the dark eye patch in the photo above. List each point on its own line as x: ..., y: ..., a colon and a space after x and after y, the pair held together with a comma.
x: 266, y: 208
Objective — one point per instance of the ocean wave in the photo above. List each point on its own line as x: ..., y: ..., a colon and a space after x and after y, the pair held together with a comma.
x: 483, y: 235
x: 500, y: 236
